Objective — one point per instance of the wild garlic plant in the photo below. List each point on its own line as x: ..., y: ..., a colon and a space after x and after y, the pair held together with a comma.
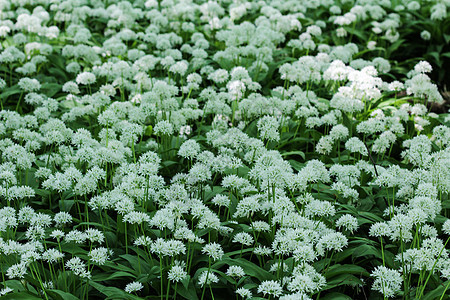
x: 224, y: 149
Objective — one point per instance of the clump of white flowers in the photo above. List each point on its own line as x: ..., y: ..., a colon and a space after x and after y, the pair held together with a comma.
x: 85, y: 78
x: 268, y: 128
x: 387, y: 281
x: 133, y: 287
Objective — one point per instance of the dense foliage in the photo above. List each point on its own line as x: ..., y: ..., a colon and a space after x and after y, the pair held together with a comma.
x: 225, y: 149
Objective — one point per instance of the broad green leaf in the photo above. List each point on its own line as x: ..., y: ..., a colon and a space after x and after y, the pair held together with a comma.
x: 357, y: 32
x: 110, y: 276
x: 112, y: 293
x: 338, y: 269
x: 300, y: 153
x: 437, y: 292
x: 187, y: 289
x: 335, y: 296
x: 136, y: 262
x: 21, y: 296
x: 50, y: 89
x: 119, y: 267
x: 296, y: 165
x: 16, y: 285
x: 14, y: 90
x: 250, y: 268
x: 343, y: 279
x: 366, y: 250
x: 148, y: 130
x: 60, y: 295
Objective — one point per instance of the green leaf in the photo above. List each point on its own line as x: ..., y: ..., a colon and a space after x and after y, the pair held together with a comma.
x: 395, y: 45
x: 148, y: 130
x: 447, y: 38
x: 42, y: 192
x: 109, y: 276
x: 336, y: 296
x: 72, y: 248
x: 250, y: 268
x: 339, y: 269
x: 10, y: 91
x: 50, y: 89
x: 366, y: 250
x: 112, y: 292
x: 343, y: 279
x: 370, y: 216
x: 296, y: 165
x: 135, y: 262
x: 347, y: 123
x: 187, y: 289
x: 357, y: 32
x: 55, y: 72
x: 16, y: 285
x: 301, y: 153
x: 168, y: 163
x: 21, y: 295
x: 119, y: 267
x: 436, y: 293
x: 60, y: 295
x: 437, y: 58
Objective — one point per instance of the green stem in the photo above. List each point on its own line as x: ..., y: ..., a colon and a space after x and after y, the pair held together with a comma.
x: 432, y: 269
x: 212, y: 294
x: 18, y: 102
x: 126, y: 238
x: 206, y: 279
x: 161, y: 275
x: 446, y: 287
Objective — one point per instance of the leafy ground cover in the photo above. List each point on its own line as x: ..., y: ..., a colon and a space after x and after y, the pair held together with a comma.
x: 224, y: 149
